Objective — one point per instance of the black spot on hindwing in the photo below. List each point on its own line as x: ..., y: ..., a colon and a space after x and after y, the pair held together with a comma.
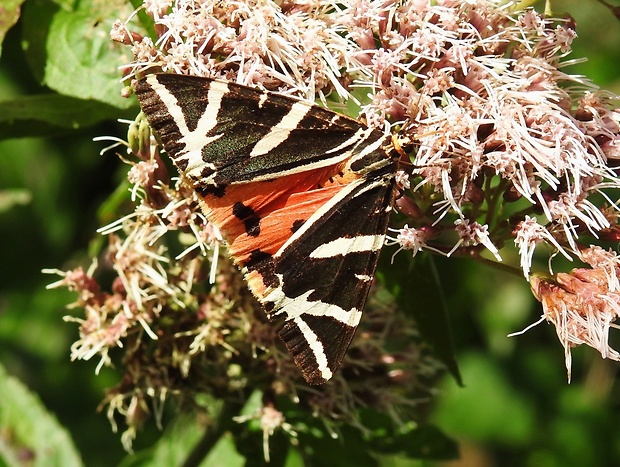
x: 262, y: 263
x: 250, y: 219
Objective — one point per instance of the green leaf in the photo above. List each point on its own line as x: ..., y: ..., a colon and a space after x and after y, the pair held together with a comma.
x: 416, y: 287
x: 500, y: 412
x: 294, y: 459
x: 253, y: 403
x: 144, y: 20
x: 71, y: 50
x: 37, y: 16
x: 424, y: 442
x: 9, y: 14
x: 31, y: 435
x: 411, y: 440
x: 13, y: 197
x: 349, y: 449
x: 44, y: 114
x: 180, y: 438
x: 224, y: 453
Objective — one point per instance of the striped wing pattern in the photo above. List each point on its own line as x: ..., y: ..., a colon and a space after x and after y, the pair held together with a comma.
x: 302, y: 195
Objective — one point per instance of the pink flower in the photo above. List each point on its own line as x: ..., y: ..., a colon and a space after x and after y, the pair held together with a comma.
x: 583, y: 304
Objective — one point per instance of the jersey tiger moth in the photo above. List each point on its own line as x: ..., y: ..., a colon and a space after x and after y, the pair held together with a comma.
x: 302, y: 195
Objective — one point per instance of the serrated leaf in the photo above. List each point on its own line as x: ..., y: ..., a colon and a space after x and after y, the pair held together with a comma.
x: 83, y: 62
x: 9, y: 14
x: 415, y: 285
x: 71, y: 50
x: 44, y: 114
x: 28, y: 431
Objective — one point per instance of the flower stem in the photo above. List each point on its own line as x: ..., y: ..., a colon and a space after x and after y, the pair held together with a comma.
x: 495, y: 264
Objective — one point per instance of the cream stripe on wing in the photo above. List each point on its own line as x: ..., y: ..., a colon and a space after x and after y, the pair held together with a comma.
x: 294, y: 308
x: 344, y: 245
x: 281, y: 131
x: 316, y: 346
x: 193, y: 141
x: 359, y: 136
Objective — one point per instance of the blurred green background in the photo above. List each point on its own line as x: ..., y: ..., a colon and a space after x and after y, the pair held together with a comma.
x: 516, y: 407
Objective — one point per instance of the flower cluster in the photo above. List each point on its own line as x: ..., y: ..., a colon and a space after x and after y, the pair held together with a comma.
x: 293, y: 48
x: 498, y: 147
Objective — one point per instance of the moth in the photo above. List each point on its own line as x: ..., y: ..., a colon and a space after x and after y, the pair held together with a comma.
x: 301, y: 194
